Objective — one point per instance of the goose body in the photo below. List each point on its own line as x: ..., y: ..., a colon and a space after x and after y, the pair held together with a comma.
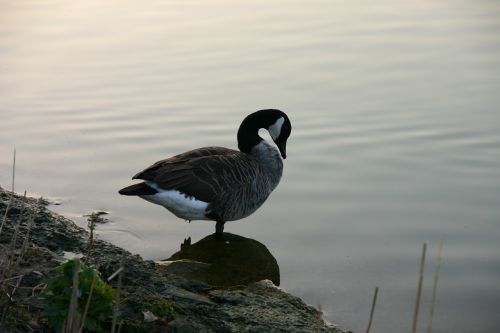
x: 217, y: 183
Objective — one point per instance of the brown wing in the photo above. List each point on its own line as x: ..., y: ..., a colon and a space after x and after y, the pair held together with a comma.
x: 152, y: 170
x: 202, y: 173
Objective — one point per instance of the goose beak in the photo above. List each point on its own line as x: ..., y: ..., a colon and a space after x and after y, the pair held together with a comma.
x: 282, y: 147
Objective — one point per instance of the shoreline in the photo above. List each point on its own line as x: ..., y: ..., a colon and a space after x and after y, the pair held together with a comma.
x: 202, y: 302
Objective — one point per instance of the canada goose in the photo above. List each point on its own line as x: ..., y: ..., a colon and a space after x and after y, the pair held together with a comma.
x: 216, y: 183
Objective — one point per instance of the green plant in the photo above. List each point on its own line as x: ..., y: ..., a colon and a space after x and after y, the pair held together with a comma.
x: 161, y: 308
x: 58, y: 296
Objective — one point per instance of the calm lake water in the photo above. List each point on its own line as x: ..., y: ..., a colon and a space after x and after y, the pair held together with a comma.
x: 396, y: 135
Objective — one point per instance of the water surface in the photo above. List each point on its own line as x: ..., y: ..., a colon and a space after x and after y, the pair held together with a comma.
x: 396, y: 135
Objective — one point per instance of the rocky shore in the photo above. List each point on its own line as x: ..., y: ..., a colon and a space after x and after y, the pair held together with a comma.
x: 181, y: 294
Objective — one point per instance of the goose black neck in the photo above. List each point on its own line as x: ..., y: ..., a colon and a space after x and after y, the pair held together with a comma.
x: 248, y: 134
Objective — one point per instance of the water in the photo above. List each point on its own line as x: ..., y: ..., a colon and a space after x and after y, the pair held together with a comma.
x: 395, y: 139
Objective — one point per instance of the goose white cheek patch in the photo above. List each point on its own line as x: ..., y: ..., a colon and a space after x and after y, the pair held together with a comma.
x: 275, y: 129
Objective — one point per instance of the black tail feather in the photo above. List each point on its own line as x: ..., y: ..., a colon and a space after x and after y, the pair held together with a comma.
x: 138, y: 189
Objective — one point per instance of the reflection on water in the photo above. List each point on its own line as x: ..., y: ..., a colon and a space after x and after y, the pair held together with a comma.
x: 233, y: 260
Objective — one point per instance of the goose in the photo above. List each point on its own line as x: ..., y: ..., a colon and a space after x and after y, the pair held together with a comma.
x: 217, y: 183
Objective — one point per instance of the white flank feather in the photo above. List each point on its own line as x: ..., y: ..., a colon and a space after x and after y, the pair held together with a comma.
x: 181, y: 205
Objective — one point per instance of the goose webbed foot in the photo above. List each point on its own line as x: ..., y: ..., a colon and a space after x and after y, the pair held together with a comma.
x: 219, y: 228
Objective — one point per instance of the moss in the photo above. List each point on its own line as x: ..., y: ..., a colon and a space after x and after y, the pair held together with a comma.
x: 160, y: 308
x: 137, y: 304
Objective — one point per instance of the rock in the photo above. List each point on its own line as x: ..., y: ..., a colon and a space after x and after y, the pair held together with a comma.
x: 183, y: 325
x: 180, y: 302
x: 149, y: 316
x: 233, y: 260
x: 182, y: 266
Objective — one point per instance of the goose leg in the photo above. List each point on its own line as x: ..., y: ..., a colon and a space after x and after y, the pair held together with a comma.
x: 219, y: 228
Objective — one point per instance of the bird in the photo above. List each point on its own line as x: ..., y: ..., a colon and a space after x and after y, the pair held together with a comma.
x: 218, y: 183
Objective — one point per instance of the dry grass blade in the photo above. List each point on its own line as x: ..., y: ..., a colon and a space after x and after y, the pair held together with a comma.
x: 18, y: 224
x: 419, y: 289
x: 87, y: 304
x: 11, y: 278
x: 434, y: 287
x: 9, y: 256
x: 13, y: 263
x: 5, y: 273
x: 27, y: 235
x: 13, y: 171
x: 116, y: 309
x: 40, y: 286
x: 91, y: 224
x: 112, y: 276
x: 372, y: 311
x: 4, y: 220
x: 16, y: 286
x: 319, y: 319
x: 72, y: 321
x: 93, y: 219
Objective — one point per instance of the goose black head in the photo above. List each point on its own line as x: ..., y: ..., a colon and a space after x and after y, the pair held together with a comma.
x: 275, y: 121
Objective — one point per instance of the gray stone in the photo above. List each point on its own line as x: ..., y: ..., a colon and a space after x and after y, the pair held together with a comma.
x: 199, y: 306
